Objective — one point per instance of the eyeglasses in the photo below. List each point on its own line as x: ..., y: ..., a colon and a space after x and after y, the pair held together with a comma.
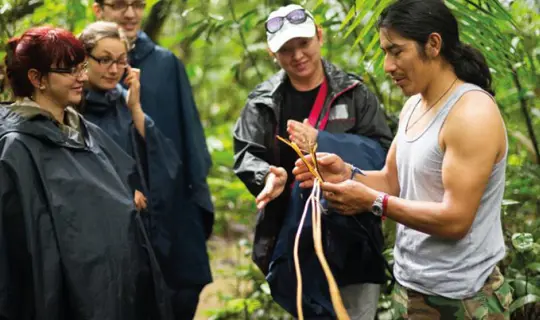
x: 107, y: 62
x: 123, y: 6
x: 75, y: 72
x: 297, y: 16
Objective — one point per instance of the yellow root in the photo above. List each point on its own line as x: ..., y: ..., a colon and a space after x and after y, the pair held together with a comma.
x: 335, y: 295
x: 314, y: 201
x: 297, y: 266
x: 295, y: 147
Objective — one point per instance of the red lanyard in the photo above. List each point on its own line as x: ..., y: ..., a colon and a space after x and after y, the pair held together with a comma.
x: 318, y: 106
x: 317, y: 109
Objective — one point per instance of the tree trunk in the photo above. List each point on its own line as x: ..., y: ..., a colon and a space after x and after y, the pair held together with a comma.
x: 156, y: 19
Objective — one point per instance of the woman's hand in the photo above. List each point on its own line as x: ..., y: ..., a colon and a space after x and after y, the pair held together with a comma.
x: 140, y: 200
x: 274, y: 186
x: 132, y: 81
x: 303, y: 134
x: 133, y: 99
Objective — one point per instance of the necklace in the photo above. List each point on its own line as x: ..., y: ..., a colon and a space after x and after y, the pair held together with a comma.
x: 423, y: 114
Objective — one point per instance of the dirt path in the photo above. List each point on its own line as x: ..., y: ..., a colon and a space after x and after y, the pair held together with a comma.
x: 224, y: 256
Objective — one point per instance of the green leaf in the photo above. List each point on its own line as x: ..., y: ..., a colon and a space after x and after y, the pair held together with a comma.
x: 530, y: 298
x: 534, y: 267
x: 355, y: 24
x: 497, y: 38
x: 247, y: 14
x: 186, y: 12
x: 370, y: 26
x: 504, y: 12
x: 197, y: 33
x: 370, y: 47
x: 317, y: 5
x: 508, y: 202
x: 523, y: 288
x: 348, y: 18
x: 265, y: 288
x: 522, y: 242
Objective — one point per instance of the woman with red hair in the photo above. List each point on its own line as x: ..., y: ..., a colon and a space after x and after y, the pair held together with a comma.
x: 72, y: 244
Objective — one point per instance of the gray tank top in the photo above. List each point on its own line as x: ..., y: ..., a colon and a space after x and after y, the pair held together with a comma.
x: 433, y: 265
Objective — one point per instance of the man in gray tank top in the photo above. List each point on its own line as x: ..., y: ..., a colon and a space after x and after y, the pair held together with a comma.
x: 443, y: 181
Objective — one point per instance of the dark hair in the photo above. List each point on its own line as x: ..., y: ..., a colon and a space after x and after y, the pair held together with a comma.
x: 417, y: 19
x: 100, y: 2
x: 39, y: 48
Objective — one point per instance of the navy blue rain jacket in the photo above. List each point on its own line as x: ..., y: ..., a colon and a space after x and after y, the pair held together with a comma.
x: 167, y: 98
x: 176, y: 234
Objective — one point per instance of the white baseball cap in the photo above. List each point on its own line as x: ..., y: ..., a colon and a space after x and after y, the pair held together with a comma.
x: 289, y: 30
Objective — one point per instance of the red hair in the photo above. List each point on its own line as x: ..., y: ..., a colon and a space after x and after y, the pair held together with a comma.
x: 40, y: 48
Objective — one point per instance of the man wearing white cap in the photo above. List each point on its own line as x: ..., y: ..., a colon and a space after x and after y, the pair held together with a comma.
x: 310, y: 100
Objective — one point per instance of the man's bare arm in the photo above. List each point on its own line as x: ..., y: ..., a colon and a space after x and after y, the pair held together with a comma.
x: 474, y: 140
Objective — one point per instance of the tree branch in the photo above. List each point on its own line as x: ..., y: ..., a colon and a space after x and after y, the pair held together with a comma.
x: 244, y: 43
x: 18, y: 12
x: 525, y: 111
x: 21, y: 10
x: 4, y: 26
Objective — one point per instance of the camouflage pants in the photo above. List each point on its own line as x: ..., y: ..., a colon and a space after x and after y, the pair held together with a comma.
x: 490, y: 303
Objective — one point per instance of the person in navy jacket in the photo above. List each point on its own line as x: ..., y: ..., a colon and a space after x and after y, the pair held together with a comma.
x: 172, y: 219
x: 310, y: 99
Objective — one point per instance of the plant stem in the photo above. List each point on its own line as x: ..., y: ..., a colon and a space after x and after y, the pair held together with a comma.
x: 244, y: 43
x: 525, y: 111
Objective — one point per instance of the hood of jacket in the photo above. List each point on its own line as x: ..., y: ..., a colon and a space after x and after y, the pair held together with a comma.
x: 100, y: 102
x: 26, y: 117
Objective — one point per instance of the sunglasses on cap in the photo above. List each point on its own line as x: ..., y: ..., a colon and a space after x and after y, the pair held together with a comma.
x: 297, y: 16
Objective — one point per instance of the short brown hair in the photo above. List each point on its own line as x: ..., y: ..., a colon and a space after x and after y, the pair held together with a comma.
x: 97, y: 31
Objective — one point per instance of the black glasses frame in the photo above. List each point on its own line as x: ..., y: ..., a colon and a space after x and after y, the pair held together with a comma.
x: 120, y: 62
x: 136, y: 5
x: 73, y: 71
